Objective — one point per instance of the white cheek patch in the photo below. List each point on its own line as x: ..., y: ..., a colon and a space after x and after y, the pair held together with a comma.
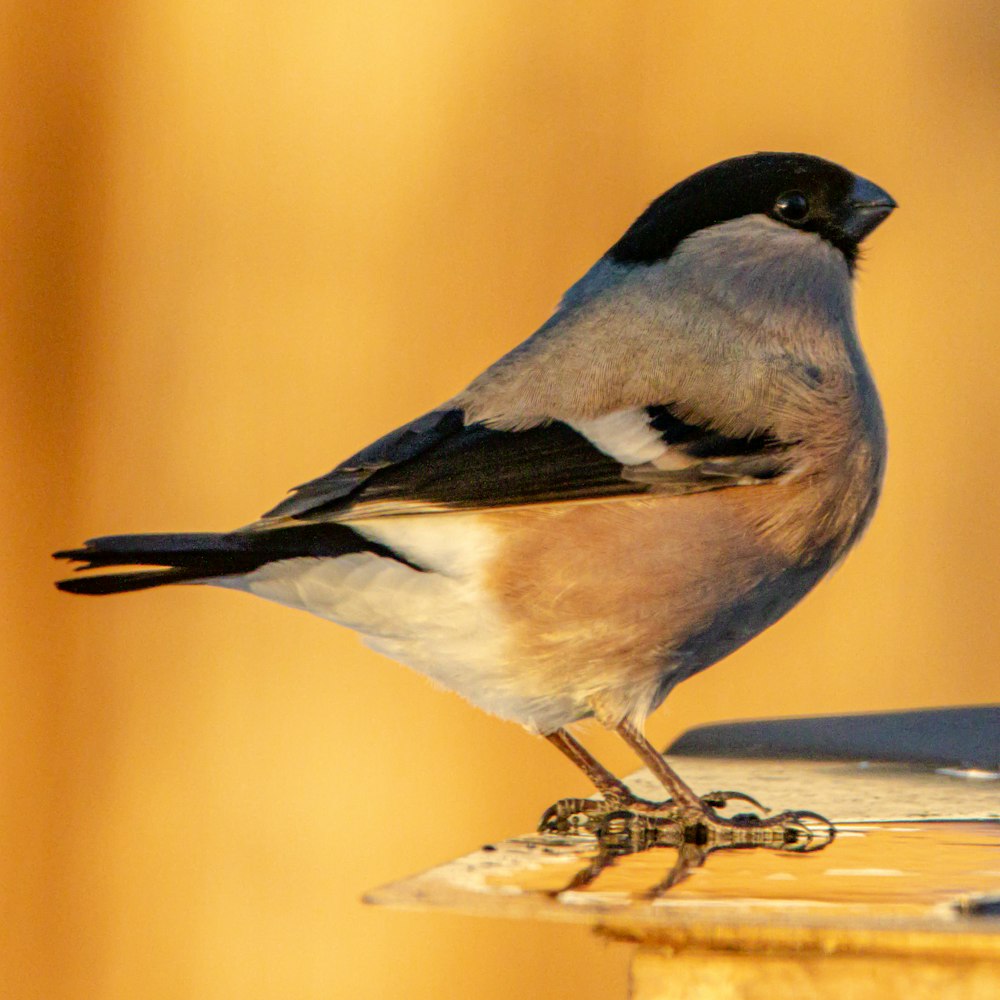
x: 625, y: 435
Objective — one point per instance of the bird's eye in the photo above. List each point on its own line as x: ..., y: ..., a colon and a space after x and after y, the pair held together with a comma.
x: 792, y: 206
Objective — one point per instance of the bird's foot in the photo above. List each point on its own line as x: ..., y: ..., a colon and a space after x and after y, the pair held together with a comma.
x: 626, y: 823
x: 587, y: 815
x: 800, y: 831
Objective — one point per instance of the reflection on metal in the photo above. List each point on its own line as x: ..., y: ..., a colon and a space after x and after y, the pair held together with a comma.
x: 915, y: 851
x: 622, y: 833
x: 915, y: 875
x: 882, y: 870
x: 905, y: 902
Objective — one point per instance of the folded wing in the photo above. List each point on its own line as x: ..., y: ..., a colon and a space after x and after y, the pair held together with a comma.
x: 439, y: 463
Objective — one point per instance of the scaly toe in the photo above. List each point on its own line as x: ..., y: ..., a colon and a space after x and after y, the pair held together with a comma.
x: 572, y: 815
x: 719, y: 800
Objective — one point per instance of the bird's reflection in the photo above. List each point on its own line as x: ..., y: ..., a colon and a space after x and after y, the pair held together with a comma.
x: 622, y: 832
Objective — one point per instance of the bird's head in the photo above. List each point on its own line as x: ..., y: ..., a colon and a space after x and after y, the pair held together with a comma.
x: 803, y: 192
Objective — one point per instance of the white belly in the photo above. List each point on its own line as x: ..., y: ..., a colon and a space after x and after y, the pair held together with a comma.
x: 442, y: 622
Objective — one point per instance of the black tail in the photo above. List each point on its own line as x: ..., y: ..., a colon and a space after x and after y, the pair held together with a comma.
x: 189, y: 558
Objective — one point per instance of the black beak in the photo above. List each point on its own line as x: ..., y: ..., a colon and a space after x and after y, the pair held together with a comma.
x: 867, y: 206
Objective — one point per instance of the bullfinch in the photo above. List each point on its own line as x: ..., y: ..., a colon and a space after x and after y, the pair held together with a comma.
x: 660, y: 472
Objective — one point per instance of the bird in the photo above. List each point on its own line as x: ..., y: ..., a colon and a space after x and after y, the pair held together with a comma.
x: 655, y: 476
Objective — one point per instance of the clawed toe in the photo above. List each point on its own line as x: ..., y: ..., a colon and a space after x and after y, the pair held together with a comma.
x: 719, y: 800
x: 570, y: 815
x: 590, y: 816
x: 626, y: 823
x: 573, y: 815
x: 622, y: 823
x: 801, y: 837
x: 799, y: 831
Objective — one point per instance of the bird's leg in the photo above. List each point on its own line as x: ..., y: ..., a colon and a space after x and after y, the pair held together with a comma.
x: 584, y: 814
x: 603, y: 780
x: 625, y: 823
x: 587, y: 815
x: 702, y: 825
x: 567, y: 814
x: 682, y: 796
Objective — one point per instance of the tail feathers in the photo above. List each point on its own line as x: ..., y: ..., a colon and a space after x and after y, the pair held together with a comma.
x: 153, y: 550
x: 121, y: 583
x: 189, y: 558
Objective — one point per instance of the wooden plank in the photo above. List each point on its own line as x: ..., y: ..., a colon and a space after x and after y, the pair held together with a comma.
x: 712, y: 976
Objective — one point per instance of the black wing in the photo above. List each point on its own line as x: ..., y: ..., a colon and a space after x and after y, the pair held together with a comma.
x: 438, y: 462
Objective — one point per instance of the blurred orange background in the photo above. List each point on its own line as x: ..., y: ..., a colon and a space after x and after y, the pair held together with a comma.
x: 241, y: 241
